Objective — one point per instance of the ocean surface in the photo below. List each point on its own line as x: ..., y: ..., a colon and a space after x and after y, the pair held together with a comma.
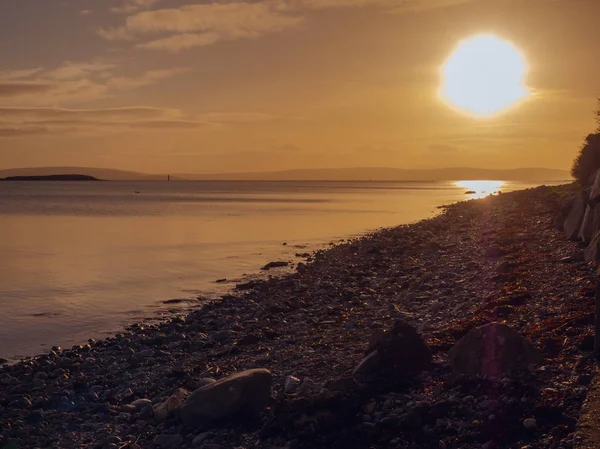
x: 81, y: 260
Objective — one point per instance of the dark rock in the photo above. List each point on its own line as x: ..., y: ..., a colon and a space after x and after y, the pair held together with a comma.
x: 245, y: 391
x: 592, y: 252
x: 493, y: 349
x: 398, y: 352
x: 168, y: 440
x: 595, y: 190
x: 559, y: 221
x: 276, y: 264
x: 574, y: 219
x: 589, y: 225
x: 494, y: 252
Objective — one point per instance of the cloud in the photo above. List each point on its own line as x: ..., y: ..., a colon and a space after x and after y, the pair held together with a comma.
x: 85, y: 12
x: 8, y: 75
x: 130, y: 6
x: 73, y: 82
x: 21, y: 132
x: 146, y: 79
x: 20, y: 121
x: 442, y: 148
x: 75, y: 70
x: 202, y: 24
x: 236, y: 117
x: 19, y: 89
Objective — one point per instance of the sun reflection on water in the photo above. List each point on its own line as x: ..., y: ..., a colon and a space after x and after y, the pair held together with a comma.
x: 480, y: 189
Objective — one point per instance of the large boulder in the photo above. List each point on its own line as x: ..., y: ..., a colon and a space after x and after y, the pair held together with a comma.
x: 493, y: 349
x: 595, y: 189
x: 559, y: 221
x: 246, y: 391
x: 589, y: 225
x: 574, y: 219
x: 399, y: 352
x: 592, y: 252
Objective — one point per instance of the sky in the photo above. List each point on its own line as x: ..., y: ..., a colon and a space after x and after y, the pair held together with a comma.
x: 190, y: 86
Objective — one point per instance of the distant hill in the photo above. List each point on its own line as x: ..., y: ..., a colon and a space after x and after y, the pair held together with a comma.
x: 101, y: 173
x: 394, y: 174
x: 67, y: 177
x: 325, y: 174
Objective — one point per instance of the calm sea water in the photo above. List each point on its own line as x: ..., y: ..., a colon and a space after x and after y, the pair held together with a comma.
x: 85, y: 259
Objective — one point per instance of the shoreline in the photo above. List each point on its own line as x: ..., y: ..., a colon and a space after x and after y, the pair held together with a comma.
x: 315, y: 324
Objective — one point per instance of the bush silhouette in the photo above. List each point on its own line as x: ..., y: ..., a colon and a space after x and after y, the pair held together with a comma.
x: 587, y: 161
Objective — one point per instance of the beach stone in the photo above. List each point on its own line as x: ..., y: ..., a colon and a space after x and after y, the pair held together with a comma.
x: 245, y: 391
x: 166, y: 440
x: 399, y: 351
x: 530, y: 423
x: 574, y: 219
x: 291, y: 385
x: 141, y: 403
x: 171, y: 405
x: 493, y: 349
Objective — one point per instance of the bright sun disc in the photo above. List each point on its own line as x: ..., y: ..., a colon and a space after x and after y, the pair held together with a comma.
x: 484, y: 76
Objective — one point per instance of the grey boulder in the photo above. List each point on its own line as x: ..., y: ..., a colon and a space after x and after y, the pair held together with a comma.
x: 246, y: 391
x: 493, y: 350
x: 574, y: 219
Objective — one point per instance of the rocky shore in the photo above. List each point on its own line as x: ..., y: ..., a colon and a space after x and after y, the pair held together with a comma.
x: 356, y: 349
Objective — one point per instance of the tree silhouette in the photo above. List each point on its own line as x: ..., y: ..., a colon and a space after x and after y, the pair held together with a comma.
x: 587, y: 161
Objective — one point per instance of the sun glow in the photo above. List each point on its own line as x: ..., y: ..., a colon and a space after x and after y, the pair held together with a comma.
x: 480, y: 189
x: 485, y: 75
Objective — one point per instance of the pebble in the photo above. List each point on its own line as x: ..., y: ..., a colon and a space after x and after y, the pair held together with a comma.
x: 530, y: 423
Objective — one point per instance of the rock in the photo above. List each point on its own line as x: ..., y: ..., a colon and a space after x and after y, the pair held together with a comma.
x: 219, y: 336
x: 574, y: 219
x: 592, y: 252
x: 166, y: 440
x: 275, y: 265
x: 595, y: 190
x: 559, y: 221
x: 399, y: 352
x: 309, y: 387
x: 492, y: 349
x: 503, y: 267
x: 291, y: 385
x: 530, y: 423
x: 171, y: 405
x: 245, y: 391
x: 200, y: 438
x: 494, y: 252
x: 589, y: 225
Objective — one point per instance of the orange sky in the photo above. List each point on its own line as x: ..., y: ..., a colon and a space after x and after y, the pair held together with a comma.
x: 225, y: 86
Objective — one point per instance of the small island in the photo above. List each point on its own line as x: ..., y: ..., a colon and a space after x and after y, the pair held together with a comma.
x: 51, y: 178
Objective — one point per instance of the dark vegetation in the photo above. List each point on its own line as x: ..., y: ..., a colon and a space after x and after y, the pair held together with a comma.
x: 587, y: 161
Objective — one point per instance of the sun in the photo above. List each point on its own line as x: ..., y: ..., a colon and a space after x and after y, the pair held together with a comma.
x: 484, y: 76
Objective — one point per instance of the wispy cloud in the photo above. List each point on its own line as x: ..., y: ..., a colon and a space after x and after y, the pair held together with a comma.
x: 130, y: 6
x: 146, y: 79
x: 20, y: 121
x: 207, y: 23
x: 203, y: 24
x: 20, y: 89
x: 73, y: 82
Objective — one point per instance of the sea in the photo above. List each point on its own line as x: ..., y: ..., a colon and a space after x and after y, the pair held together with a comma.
x: 83, y: 260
